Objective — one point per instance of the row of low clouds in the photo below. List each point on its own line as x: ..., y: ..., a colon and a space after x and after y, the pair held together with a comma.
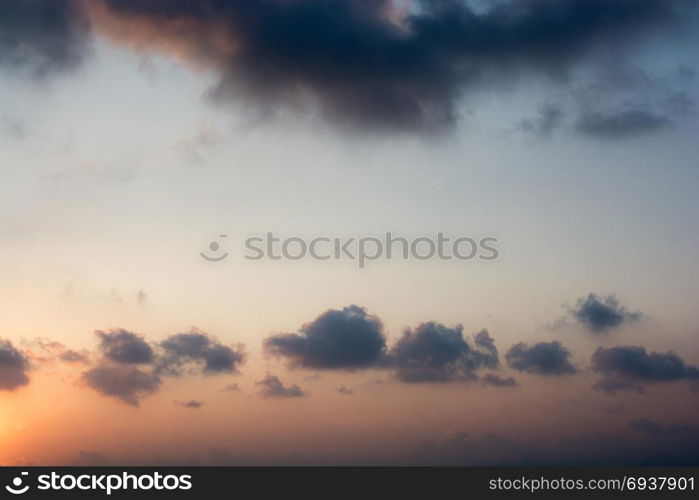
x: 393, y: 65
x: 127, y: 366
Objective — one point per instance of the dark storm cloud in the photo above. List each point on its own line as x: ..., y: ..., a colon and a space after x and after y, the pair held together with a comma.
x: 544, y: 358
x: 602, y: 314
x: 432, y: 352
x: 42, y: 36
x: 618, y: 125
x: 14, y: 366
x: 649, y: 426
x: 198, y: 350
x: 337, y: 339
x: 497, y: 381
x: 633, y: 364
x: 272, y: 387
x: 362, y: 63
x: 123, y: 346
x: 127, y: 383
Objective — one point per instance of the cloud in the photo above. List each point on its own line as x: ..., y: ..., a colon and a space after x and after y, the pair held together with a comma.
x: 618, y: 125
x: 602, y: 314
x: 544, y: 358
x: 232, y: 388
x: 193, y: 404
x: 359, y: 64
x: 612, y: 386
x: 545, y: 123
x: 125, y: 347
x: 198, y: 350
x: 14, y: 366
x: 272, y: 387
x: 127, y: 383
x: 497, y: 381
x: 41, y: 37
x: 432, y: 352
x: 70, y: 356
x: 347, y: 339
x: 345, y: 391
x: 648, y: 426
x: 630, y: 367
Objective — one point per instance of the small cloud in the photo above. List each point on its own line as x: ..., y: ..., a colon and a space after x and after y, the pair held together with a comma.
x: 544, y: 358
x: 193, y: 404
x: 126, y: 383
x: 633, y: 366
x: 197, y: 349
x: 349, y: 339
x: 602, y: 314
x: 272, y: 387
x: 231, y: 388
x: 122, y: 346
x: 432, y: 352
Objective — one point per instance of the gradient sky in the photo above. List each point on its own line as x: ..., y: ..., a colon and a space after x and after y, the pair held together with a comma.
x: 132, y: 134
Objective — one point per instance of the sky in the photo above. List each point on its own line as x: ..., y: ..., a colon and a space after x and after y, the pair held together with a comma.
x: 141, y: 139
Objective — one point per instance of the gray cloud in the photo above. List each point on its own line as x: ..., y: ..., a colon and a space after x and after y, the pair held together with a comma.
x: 544, y: 358
x: 40, y: 37
x: 432, y: 352
x: 272, y: 387
x: 123, y: 346
x: 602, y: 314
x: 631, y: 367
x: 199, y: 351
x: 622, y: 124
x: 116, y: 374
x: 14, y: 366
x: 357, y: 65
x: 124, y: 382
x: 337, y: 339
